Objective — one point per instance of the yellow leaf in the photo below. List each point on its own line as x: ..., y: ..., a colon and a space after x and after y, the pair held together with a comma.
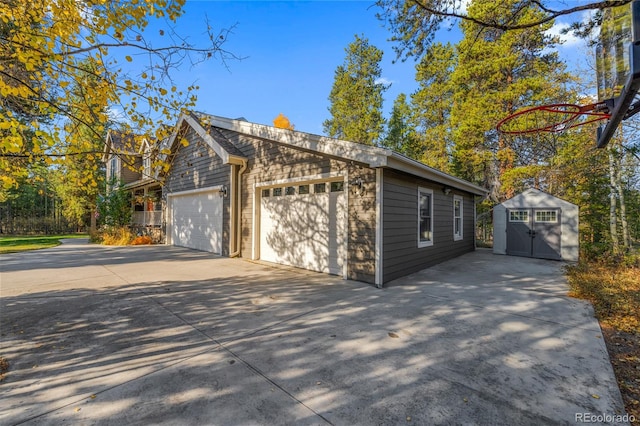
x: 596, y: 396
x: 128, y: 58
x: 184, y: 142
x: 163, y: 91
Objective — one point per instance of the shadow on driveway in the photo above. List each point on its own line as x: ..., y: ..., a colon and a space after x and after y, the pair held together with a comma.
x: 180, y: 337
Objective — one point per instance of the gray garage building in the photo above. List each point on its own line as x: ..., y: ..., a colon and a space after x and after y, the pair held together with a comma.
x: 536, y: 224
x: 370, y: 214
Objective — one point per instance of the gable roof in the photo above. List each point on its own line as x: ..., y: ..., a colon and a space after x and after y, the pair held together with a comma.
x: 224, y: 149
x: 373, y: 156
x: 118, y: 142
x: 533, y: 197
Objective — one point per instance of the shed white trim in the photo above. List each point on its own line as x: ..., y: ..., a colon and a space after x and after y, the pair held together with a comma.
x: 533, y: 199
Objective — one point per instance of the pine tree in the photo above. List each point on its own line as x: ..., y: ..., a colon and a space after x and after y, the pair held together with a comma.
x: 401, y: 133
x: 356, y: 96
x: 497, y: 73
x: 432, y: 104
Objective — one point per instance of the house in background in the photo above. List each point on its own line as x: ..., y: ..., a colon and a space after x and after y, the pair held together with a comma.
x: 536, y: 224
x: 129, y: 161
x: 365, y: 213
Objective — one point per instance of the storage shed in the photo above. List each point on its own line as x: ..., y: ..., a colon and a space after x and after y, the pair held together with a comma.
x: 536, y: 224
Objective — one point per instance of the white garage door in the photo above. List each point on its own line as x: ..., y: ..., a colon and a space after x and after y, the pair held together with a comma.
x: 304, y: 226
x: 196, y: 220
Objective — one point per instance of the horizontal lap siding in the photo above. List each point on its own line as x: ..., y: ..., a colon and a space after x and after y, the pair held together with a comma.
x: 131, y: 166
x: 196, y: 166
x: 362, y: 229
x: 269, y: 161
x: 401, y: 255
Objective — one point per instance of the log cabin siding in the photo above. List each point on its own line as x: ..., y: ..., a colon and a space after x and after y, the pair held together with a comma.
x: 400, y: 252
x: 270, y: 161
x: 197, y: 166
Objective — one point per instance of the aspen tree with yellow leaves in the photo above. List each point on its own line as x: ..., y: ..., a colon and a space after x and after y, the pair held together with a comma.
x: 68, y: 64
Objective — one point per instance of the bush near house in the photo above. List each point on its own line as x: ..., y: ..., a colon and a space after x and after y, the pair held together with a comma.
x: 141, y: 240
x: 114, y: 236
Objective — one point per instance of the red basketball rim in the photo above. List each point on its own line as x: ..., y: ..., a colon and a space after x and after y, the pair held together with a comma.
x: 552, y: 118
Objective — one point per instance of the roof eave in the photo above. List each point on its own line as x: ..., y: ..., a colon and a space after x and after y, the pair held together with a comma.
x: 195, y: 124
x: 370, y: 155
x: 405, y: 164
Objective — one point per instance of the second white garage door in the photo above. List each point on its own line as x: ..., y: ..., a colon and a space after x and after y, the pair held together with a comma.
x: 304, y: 226
x: 196, y: 220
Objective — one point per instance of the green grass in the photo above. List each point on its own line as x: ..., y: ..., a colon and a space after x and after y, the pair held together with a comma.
x: 15, y: 244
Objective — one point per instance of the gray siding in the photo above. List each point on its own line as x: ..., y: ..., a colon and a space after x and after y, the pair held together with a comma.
x: 130, y: 167
x: 400, y: 252
x: 197, y: 166
x: 270, y: 161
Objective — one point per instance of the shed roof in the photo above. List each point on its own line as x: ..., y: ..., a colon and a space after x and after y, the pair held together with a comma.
x: 533, y: 197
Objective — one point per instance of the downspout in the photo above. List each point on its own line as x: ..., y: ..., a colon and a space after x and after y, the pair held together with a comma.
x: 237, y: 206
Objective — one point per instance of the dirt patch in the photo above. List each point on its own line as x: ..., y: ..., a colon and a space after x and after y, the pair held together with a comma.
x: 4, y: 367
x: 624, y: 352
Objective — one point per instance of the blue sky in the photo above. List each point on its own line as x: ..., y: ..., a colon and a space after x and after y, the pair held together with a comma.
x: 291, y: 50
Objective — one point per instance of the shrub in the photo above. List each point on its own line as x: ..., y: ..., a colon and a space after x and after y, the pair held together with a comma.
x: 614, y: 291
x: 116, y: 236
x: 114, y: 209
x: 141, y: 240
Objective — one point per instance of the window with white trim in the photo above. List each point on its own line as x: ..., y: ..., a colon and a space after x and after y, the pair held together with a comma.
x: 146, y: 164
x: 112, y: 171
x: 425, y: 217
x: 546, y: 216
x: 519, y: 216
x: 457, y: 217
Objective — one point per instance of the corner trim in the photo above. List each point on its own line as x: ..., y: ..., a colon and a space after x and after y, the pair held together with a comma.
x: 379, y: 234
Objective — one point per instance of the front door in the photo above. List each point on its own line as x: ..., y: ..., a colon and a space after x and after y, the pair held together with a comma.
x: 534, y: 233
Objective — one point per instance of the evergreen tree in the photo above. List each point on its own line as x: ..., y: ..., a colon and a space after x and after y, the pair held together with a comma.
x: 356, y: 95
x: 497, y: 73
x: 401, y: 133
x: 432, y: 104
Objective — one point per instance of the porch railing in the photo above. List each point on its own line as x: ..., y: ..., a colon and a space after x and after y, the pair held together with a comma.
x: 150, y: 218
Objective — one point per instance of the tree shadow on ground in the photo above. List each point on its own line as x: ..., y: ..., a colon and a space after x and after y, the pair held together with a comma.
x: 303, y: 348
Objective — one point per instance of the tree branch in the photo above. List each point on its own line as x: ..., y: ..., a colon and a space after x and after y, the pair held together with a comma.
x: 552, y: 14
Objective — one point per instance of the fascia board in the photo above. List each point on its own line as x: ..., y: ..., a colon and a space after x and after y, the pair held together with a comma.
x: 138, y: 183
x: 107, y: 147
x: 219, y: 150
x: 373, y: 156
x: 405, y: 164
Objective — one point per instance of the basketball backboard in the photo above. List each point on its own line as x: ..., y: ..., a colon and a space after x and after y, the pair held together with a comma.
x: 618, y: 66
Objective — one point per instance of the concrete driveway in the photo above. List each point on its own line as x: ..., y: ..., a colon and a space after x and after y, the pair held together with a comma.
x: 164, y: 335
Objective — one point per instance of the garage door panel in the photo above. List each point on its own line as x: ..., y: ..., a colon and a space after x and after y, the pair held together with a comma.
x: 196, y: 221
x: 304, y: 231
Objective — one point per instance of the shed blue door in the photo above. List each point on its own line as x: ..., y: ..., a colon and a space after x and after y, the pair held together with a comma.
x: 534, y: 233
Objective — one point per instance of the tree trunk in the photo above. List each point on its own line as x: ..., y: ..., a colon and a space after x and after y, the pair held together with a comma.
x: 626, y: 236
x: 613, y: 222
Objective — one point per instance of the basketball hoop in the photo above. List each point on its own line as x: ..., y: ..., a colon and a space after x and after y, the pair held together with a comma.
x: 553, y: 118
